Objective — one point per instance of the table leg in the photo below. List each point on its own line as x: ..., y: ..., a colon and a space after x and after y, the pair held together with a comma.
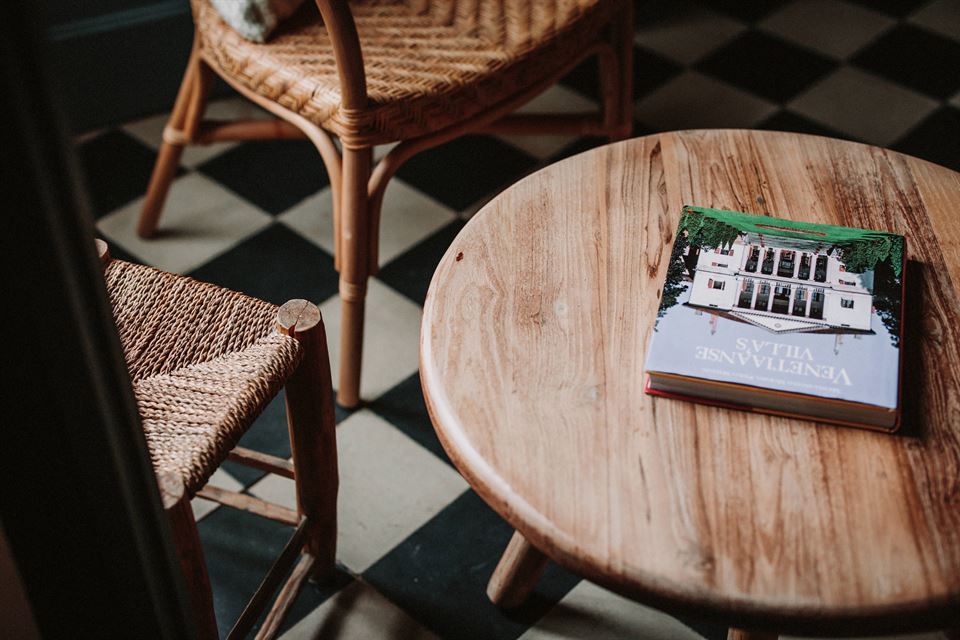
x: 740, y: 634
x: 516, y: 574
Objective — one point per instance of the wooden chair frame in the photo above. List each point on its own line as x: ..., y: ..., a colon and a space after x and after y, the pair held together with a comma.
x: 357, y: 186
x: 311, y: 420
x: 312, y: 428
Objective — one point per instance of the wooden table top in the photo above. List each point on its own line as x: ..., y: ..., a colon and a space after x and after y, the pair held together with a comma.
x: 534, y: 335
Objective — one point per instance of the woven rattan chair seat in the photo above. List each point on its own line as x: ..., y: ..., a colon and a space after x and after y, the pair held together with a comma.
x: 204, y: 362
x: 429, y: 65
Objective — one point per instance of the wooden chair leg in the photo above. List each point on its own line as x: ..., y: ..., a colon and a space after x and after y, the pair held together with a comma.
x: 516, y: 574
x: 740, y: 634
x: 354, y: 269
x: 312, y: 425
x: 190, y: 555
x: 180, y: 130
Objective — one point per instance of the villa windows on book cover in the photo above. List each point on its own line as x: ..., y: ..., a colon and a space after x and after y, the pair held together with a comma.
x: 792, y: 313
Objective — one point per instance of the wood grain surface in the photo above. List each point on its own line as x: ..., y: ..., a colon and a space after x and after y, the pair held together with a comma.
x: 534, y: 336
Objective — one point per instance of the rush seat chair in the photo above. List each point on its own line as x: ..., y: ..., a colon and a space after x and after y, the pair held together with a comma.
x: 204, y: 362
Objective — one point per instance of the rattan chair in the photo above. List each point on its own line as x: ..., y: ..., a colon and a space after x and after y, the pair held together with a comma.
x: 429, y: 71
x: 204, y: 362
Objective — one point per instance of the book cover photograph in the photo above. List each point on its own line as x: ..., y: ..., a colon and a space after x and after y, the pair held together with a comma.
x: 781, y: 316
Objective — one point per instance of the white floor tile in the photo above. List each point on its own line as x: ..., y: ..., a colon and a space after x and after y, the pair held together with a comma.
x: 220, y: 478
x: 693, y: 100
x: 358, y: 612
x: 556, y: 99
x: 940, y: 16
x: 389, y: 487
x: 150, y: 130
x: 589, y: 611
x: 390, y: 340
x: 690, y: 33
x: 408, y: 216
x: 863, y: 105
x: 831, y: 27
x: 383, y: 149
x: 201, y: 220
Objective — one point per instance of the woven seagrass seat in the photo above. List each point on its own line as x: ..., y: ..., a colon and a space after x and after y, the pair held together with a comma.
x: 204, y: 362
x: 415, y: 72
x: 427, y: 65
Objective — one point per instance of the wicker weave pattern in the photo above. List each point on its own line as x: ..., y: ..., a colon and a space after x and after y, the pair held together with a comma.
x: 204, y: 361
x: 428, y: 65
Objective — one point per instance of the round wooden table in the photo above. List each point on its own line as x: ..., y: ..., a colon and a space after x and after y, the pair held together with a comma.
x: 532, y: 350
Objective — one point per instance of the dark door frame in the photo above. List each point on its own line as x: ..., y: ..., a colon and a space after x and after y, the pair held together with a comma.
x: 80, y: 507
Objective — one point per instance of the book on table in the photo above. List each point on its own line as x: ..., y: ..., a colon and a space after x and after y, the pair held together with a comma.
x: 783, y: 317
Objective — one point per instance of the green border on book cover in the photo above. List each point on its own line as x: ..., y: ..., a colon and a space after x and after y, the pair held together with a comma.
x: 861, y: 248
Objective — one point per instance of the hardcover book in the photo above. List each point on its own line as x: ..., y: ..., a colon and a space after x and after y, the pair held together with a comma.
x: 781, y: 317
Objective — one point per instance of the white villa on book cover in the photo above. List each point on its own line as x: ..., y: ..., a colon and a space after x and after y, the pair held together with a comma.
x: 785, y: 289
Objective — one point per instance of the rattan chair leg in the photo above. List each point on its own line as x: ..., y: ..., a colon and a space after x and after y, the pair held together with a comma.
x: 616, y: 77
x: 313, y: 441
x: 624, y: 44
x: 354, y: 270
x: 180, y: 130
x: 176, y: 503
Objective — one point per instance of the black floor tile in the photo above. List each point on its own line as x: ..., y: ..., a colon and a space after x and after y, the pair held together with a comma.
x: 404, y: 408
x: 914, y: 57
x: 439, y: 575
x: 784, y: 120
x: 117, y: 168
x: 936, y: 138
x: 766, y: 66
x: 461, y: 172
x: 272, y: 174
x: 276, y: 265
x: 579, y: 146
x: 650, y: 71
x: 268, y: 434
x: 410, y: 272
x: 897, y: 8
x: 747, y: 10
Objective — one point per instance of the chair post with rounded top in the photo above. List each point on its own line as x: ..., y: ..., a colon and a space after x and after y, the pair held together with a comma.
x: 312, y: 426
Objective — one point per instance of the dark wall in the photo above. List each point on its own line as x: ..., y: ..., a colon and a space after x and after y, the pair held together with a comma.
x: 116, y: 60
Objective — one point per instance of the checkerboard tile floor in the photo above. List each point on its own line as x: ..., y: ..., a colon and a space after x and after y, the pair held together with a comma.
x: 416, y: 544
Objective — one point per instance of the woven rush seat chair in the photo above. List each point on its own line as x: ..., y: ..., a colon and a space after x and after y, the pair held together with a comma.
x: 204, y: 362
x: 417, y: 72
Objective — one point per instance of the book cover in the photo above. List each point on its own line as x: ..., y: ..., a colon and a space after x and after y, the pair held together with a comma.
x: 770, y: 306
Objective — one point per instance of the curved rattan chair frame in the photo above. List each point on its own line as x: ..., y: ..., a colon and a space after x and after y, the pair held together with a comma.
x: 357, y: 186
